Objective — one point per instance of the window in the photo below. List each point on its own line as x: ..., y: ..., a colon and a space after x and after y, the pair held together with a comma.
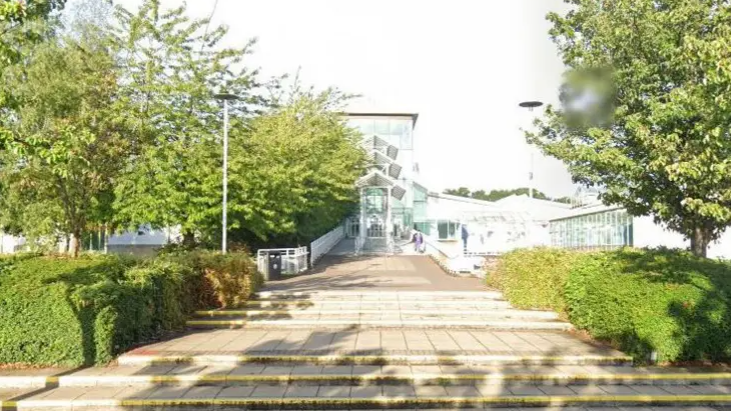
x: 447, y: 229
x: 606, y: 230
x: 382, y: 127
x: 424, y: 227
x: 364, y: 125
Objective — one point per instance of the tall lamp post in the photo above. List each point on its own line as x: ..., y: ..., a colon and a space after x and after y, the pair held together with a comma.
x: 226, y: 97
x: 530, y: 105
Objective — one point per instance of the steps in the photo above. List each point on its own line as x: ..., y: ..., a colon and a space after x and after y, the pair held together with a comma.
x: 307, y: 386
x: 369, y: 350
x: 379, y: 310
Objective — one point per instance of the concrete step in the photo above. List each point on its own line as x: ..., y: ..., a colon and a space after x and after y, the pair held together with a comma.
x: 381, y: 295
x: 348, y: 375
x: 408, y: 304
x: 350, y: 323
x: 321, y: 312
x: 374, y: 397
x: 143, y: 358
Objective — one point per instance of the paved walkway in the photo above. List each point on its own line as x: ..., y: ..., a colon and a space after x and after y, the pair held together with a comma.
x: 375, y: 342
x: 377, y: 273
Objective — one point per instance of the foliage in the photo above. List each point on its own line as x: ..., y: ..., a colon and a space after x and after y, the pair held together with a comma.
x: 72, y: 123
x: 22, y: 24
x: 172, y: 68
x: 665, y: 301
x: 71, y: 312
x: 293, y: 174
x: 640, y: 301
x: 533, y: 278
x: 645, y: 109
x: 495, y: 195
x: 60, y: 311
x: 226, y: 281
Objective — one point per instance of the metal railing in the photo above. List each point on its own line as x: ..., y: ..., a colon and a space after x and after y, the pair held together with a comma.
x: 322, y: 245
x: 294, y: 260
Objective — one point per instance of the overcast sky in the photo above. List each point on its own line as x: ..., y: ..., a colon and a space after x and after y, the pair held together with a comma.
x: 463, y: 65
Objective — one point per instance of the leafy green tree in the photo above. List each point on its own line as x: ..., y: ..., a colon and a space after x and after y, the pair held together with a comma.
x: 71, y: 125
x: 173, y: 66
x: 461, y: 191
x: 293, y: 173
x: 22, y: 24
x: 645, y: 109
x: 495, y: 195
x: 565, y: 200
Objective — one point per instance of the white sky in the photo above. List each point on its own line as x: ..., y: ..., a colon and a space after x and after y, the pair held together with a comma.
x: 463, y: 65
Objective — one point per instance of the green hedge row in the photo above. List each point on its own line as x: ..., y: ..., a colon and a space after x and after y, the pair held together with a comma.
x: 641, y: 301
x: 71, y: 312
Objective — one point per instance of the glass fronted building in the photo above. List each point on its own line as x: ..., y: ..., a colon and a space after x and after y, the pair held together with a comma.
x: 387, y: 189
x: 597, y: 230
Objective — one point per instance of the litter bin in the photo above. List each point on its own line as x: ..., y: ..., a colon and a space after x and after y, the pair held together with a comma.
x: 274, y: 266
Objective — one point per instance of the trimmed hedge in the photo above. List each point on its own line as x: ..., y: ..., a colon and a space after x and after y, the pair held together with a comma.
x: 640, y: 301
x: 224, y: 281
x: 72, y: 312
x: 533, y: 278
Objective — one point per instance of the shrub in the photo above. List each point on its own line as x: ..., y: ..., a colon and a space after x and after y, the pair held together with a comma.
x: 662, y: 300
x: 640, y: 301
x: 533, y: 278
x: 228, y: 281
x: 71, y: 312
x: 51, y: 311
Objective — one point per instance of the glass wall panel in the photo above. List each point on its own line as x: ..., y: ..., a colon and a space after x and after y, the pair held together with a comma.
x: 364, y: 125
x: 607, y: 230
x: 382, y: 127
x: 443, y: 228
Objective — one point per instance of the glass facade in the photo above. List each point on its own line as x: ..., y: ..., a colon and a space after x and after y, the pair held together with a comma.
x: 604, y: 230
x: 397, y: 131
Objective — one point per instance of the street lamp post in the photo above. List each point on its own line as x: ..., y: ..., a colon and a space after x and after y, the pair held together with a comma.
x: 530, y: 105
x: 226, y: 97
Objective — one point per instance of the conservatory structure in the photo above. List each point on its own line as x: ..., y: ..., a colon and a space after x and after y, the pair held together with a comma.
x: 393, y: 204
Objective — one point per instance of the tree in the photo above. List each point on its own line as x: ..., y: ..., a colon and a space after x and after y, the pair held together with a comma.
x: 173, y: 67
x: 645, y: 109
x: 71, y: 126
x: 22, y: 24
x: 461, y: 192
x: 293, y: 173
x: 495, y: 195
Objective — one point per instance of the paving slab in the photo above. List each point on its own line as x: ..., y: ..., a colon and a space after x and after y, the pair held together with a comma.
x: 393, y: 273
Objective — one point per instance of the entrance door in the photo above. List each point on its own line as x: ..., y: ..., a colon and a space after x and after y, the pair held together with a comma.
x: 376, y: 226
x: 375, y: 207
x: 352, y: 227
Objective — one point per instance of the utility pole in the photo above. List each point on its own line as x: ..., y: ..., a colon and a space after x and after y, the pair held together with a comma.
x: 530, y: 105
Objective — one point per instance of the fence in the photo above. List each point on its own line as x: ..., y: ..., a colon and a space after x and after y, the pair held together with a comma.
x: 322, y: 245
x: 294, y: 260
x: 453, y: 258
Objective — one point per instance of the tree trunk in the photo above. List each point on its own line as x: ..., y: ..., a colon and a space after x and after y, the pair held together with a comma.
x: 699, y: 242
x: 75, y: 244
x: 188, y: 239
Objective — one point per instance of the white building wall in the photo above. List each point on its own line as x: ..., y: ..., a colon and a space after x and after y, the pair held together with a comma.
x: 10, y: 244
x: 145, y: 237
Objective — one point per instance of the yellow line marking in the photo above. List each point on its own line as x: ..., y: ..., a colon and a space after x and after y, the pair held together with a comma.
x: 380, y: 359
x: 553, y: 400
x: 643, y: 399
x: 159, y: 379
